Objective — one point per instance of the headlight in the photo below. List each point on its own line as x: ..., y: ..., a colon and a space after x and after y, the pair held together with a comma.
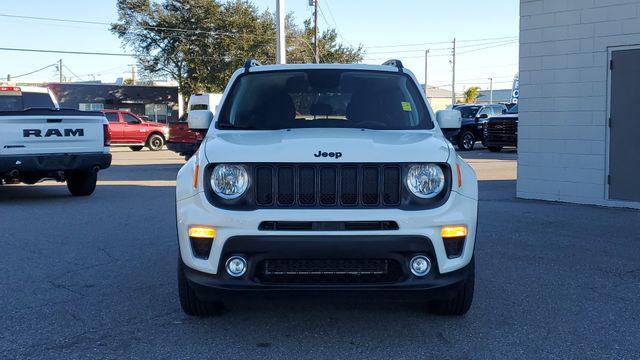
x: 425, y: 181
x: 229, y: 181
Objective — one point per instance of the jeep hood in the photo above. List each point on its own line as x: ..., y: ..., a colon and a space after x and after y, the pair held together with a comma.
x: 304, y: 145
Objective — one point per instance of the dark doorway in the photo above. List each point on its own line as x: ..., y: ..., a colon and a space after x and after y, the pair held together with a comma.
x: 624, y: 140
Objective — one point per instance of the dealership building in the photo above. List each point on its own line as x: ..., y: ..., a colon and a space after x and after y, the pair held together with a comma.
x: 156, y: 103
x: 579, y: 126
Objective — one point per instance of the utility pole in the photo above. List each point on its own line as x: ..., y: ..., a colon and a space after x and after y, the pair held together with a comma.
x: 8, y: 77
x: 60, y: 70
x: 315, y: 31
x: 490, y: 90
x: 453, y: 80
x: 133, y: 74
x: 426, y: 70
x: 281, y: 54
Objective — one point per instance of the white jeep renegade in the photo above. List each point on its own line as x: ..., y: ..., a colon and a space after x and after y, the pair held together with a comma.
x: 326, y: 179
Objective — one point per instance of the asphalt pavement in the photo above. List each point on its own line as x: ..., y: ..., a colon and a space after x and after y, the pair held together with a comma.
x: 96, y: 278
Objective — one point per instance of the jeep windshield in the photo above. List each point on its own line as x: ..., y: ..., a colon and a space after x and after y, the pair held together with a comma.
x: 325, y: 98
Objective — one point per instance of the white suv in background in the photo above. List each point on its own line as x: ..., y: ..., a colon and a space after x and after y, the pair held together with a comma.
x: 326, y: 180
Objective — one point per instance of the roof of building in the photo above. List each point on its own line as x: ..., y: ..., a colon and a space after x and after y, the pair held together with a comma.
x: 499, y: 94
x: 436, y: 92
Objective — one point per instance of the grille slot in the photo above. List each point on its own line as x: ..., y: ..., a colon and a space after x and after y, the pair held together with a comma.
x: 349, y: 186
x: 264, y: 191
x: 339, y: 185
x: 307, y: 186
x: 286, y: 195
x: 328, y: 190
x: 328, y: 271
x: 370, y: 188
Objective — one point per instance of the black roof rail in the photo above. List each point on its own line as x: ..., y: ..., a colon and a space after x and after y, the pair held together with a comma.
x: 395, y: 63
x: 249, y: 63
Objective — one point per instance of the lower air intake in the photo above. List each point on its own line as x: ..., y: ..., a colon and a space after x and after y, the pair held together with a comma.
x: 329, y: 271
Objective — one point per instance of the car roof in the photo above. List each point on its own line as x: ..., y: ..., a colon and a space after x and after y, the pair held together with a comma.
x: 285, y: 67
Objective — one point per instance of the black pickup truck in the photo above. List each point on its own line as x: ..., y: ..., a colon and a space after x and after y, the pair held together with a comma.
x: 500, y: 131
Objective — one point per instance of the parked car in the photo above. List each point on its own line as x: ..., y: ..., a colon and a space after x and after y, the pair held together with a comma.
x: 473, y: 118
x: 40, y: 141
x: 129, y: 129
x: 182, y: 140
x: 291, y: 194
x: 502, y: 130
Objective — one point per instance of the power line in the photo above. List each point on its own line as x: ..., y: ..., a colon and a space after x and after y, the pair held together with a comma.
x: 440, y: 42
x: 335, y: 23
x: 67, y: 52
x: 490, y: 47
x: 142, y: 26
x: 72, y: 73
x: 34, y: 71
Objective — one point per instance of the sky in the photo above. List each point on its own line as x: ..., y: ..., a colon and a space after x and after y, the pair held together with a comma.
x: 486, y: 34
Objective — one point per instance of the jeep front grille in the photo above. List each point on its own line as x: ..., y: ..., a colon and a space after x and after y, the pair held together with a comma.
x: 340, y: 185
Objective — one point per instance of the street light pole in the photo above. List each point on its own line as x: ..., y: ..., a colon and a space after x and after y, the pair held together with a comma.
x: 490, y: 90
x: 281, y: 54
x: 453, y: 80
x: 426, y: 70
x: 315, y: 31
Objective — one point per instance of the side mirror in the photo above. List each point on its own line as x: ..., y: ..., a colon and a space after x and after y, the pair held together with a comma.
x: 483, y: 116
x: 449, y: 119
x: 199, y: 120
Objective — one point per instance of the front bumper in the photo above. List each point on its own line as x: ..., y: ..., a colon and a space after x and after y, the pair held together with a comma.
x: 182, y: 147
x: 425, y: 224
x: 433, y: 286
x: 54, y: 162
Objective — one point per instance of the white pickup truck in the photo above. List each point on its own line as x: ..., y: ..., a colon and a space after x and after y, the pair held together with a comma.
x: 38, y: 141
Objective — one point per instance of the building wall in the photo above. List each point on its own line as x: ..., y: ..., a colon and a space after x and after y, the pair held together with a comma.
x: 439, y: 103
x: 562, y: 130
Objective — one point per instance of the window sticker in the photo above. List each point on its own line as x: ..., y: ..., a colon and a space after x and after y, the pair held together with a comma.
x: 406, y: 106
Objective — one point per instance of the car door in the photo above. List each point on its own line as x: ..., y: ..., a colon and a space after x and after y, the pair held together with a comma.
x: 481, y: 118
x: 134, y: 131
x: 115, y: 126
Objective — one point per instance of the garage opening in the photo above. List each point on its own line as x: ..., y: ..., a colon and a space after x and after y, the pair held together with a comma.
x: 624, y: 134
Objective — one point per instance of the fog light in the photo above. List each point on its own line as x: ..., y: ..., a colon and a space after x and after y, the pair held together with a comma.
x: 202, y: 232
x: 420, y: 265
x: 453, y: 231
x: 236, y: 266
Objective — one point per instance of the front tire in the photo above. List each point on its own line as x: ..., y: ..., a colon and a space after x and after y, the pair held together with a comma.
x: 189, y: 301
x: 136, y: 148
x: 466, y: 141
x: 495, y: 149
x: 155, y: 142
x: 81, y: 183
x: 460, y: 303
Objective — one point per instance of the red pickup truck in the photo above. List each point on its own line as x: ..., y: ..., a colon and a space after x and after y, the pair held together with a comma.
x: 128, y: 129
x: 183, y: 141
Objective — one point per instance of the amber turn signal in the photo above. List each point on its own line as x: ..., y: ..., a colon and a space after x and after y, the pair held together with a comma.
x: 453, y: 231
x: 202, y: 232
x: 196, y: 172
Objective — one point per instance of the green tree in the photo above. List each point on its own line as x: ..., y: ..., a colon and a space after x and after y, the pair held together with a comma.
x: 471, y: 95
x: 199, y: 43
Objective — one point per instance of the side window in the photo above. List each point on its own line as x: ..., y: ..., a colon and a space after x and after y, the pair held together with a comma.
x: 497, y: 110
x: 112, y: 117
x: 130, y: 119
x: 485, y: 110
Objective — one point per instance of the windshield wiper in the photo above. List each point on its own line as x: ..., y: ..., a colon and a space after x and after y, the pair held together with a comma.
x: 231, y: 126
